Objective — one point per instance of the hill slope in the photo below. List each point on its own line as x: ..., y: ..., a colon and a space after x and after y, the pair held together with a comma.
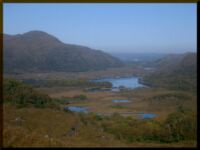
x: 175, y: 71
x: 38, y: 51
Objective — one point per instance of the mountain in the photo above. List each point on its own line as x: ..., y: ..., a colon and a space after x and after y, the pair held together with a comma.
x: 37, y: 51
x: 176, y: 63
x: 175, y: 71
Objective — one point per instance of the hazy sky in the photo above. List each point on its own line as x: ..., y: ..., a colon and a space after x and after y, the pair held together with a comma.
x: 110, y: 27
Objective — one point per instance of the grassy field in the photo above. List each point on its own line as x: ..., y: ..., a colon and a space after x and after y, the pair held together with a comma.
x: 34, y: 117
x: 122, y: 71
x: 34, y: 127
x: 158, y: 101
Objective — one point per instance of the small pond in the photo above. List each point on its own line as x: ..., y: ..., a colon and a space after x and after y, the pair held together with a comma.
x: 120, y: 101
x: 77, y: 109
x: 146, y: 115
x: 138, y: 115
x: 82, y: 109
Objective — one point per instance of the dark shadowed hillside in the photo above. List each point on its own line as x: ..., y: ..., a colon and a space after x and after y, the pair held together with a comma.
x: 37, y: 51
x: 175, y: 71
x: 177, y: 62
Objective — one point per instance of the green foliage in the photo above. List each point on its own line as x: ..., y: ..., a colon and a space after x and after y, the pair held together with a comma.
x: 127, y: 129
x: 118, y: 107
x: 176, y: 81
x: 177, y: 95
x: 80, y: 97
x: 174, y: 99
x: 23, y: 95
x: 178, y: 126
x: 98, y: 117
x: 175, y: 72
x: 63, y: 100
x: 131, y: 130
x: 83, y: 83
x: 181, y: 125
x: 52, y: 83
x: 66, y: 100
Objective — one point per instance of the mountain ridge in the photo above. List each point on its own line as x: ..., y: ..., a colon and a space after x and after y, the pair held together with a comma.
x: 40, y: 51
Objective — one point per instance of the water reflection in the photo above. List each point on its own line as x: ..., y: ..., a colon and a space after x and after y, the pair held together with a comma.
x: 122, y: 82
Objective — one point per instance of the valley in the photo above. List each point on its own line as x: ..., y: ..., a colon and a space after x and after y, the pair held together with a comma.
x: 148, y: 103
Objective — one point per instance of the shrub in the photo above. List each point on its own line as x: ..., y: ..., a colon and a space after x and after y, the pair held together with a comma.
x: 23, y: 95
x: 181, y: 125
x: 178, y: 126
x: 80, y: 97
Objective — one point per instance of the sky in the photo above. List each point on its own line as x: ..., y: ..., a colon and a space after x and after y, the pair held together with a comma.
x: 134, y: 27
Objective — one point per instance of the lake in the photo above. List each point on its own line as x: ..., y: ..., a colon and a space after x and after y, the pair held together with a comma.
x: 122, y: 82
